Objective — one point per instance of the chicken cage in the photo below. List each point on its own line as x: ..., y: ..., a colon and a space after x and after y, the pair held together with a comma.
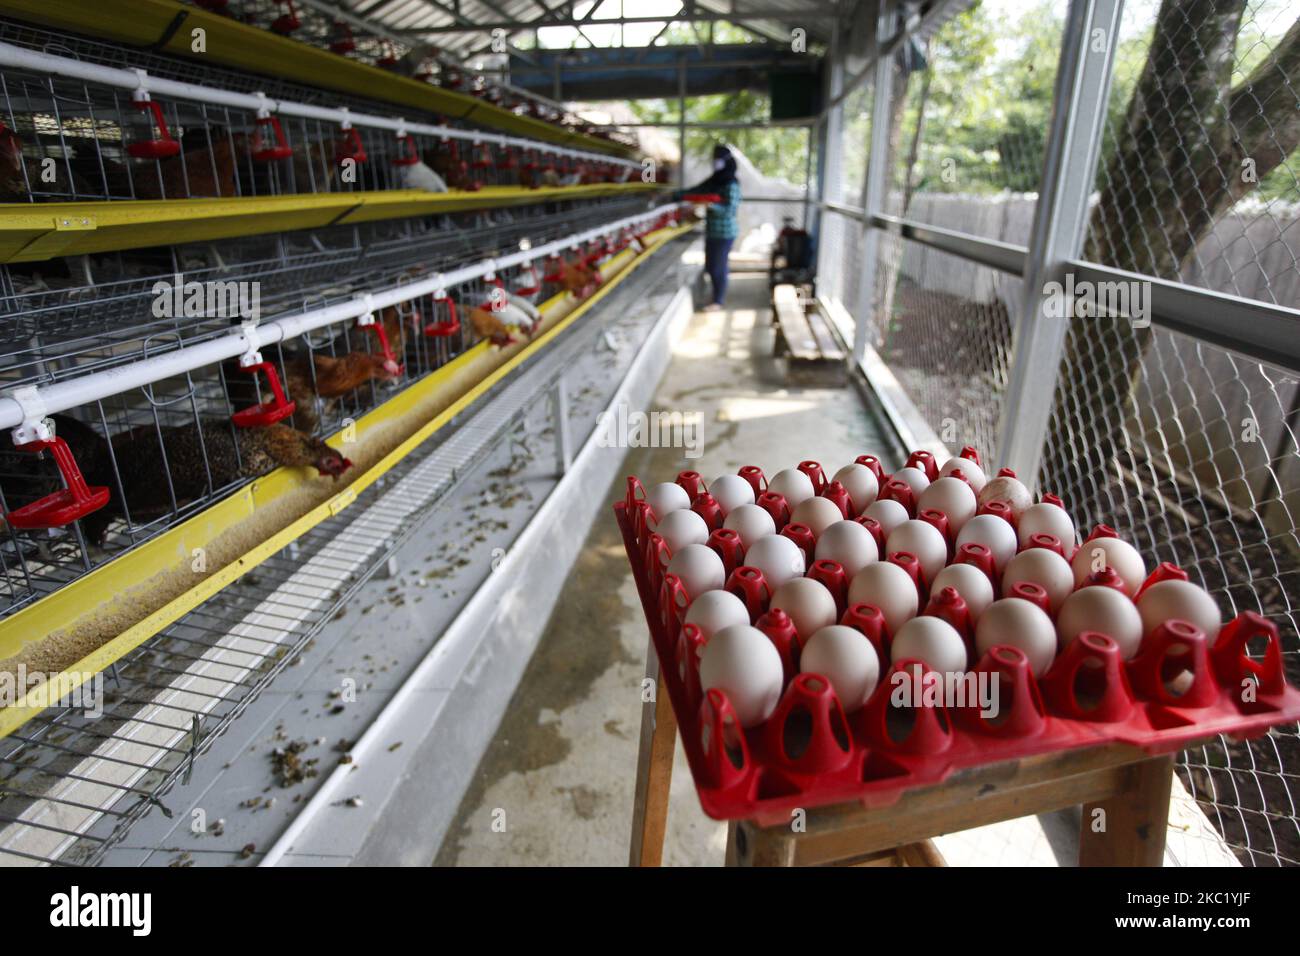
x: 366, y: 41
x: 159, y: 379
x: 61, y: 332
x: 76, y: 128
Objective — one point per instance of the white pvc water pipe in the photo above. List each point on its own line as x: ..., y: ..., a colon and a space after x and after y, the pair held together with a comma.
x: 27, y: 404
x: 17, y: 57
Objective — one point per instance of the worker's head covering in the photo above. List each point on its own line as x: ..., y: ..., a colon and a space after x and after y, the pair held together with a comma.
x: 724, y: 165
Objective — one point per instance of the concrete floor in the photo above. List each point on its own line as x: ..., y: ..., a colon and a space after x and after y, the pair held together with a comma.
x: 560, y: 770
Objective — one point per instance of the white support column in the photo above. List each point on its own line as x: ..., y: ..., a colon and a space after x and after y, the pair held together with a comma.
x: 876, y: 179
x: 828, y: 186
x: 1060, y: 220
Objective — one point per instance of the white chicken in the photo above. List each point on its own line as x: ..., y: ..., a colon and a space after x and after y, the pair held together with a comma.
x: 507, y: 321
x: 420, y: 176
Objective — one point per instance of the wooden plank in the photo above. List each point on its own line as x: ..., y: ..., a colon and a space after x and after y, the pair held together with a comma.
x: 827, y: 344
x: 968, y: 799
x: 654, y: 771
x: 1132, y: 826
x: 793, y: 324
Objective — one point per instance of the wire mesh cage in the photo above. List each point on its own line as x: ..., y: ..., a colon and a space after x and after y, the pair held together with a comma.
x: 351, y: 38
x: 1186, y: 447
x: 68, y: 139
x: 166, y: 451
x: 1190, y: 452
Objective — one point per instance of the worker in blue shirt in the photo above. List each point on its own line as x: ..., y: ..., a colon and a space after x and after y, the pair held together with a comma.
x: 720, y: 226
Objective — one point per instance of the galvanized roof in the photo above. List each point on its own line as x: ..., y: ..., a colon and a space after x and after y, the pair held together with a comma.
x: 476, y: 19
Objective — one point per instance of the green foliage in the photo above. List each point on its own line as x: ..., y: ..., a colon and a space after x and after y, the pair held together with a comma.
x: 989, y: 100
x: 987, y: 107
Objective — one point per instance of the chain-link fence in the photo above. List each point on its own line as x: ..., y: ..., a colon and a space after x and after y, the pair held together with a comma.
x: 1190, y: 452
x: 1188, y: 449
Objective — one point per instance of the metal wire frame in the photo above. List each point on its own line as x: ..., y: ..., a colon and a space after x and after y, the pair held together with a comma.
x: 391, y: 52
x: 73, y: 784
x: 1186, y: 446
x: 69, y: 314
x: 1253, y: 249
x: 1196, y: 466
x: 35, y: 563
x: 162, y: 730
x: 75, y: 134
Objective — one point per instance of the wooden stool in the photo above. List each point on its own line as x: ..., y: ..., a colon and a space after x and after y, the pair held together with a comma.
x: 1130, y: 786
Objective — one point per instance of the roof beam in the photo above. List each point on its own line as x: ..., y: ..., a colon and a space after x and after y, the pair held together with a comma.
x: 697, y: 15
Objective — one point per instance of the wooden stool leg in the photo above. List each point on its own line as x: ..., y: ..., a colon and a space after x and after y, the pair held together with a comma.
x: 1135, y: 821
x: 654, y: 771
x: 750, y: 845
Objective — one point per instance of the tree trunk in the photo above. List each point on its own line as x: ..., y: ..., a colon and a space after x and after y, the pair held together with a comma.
x: 1176, y: 170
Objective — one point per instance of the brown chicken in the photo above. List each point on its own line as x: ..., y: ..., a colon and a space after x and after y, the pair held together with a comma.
x: 314, y: 382
x: 312, y: 379
x: 49, y: 177
x: 445, y: 160
x: 205, y: 172
x: 580, y: 278
x: 13, y: 186
x: 197, y: 462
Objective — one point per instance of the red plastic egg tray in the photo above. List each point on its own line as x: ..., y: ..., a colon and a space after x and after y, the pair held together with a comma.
x: 810, y: 752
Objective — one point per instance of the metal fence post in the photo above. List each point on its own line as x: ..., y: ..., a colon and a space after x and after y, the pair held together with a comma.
x: 875, y: 180
x: 828, y: 184
x: 1060, y: 219
x: 563, y: 438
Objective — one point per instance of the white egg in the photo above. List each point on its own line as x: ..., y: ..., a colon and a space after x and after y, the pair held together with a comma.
x: 1021, y: 624
x: 743, y: 663
x: 699, y: 568
x: 714, y: 611
x: 817, y: 513
x: 1113, y: 553
x: 1181, y: 600
x: 667, y: 497
x: 915, y: 479
x: 932, y: 640
x: 860, y: 482
x: 953, y: 497
x: 680, y: 528
x: 970, y: 582
x: 750, y: 522
x: 1008, y: 489
x: 973, y: 472
x: 847, y: 660
x: 922, y: 540
x: 793, y: 485
x: 779, y: 558
x: 808, y: 603
x: 1042, y: 567
x: 730, y: 492
x: 994, y: 533
x: 889, y: 513
x: 888, y: 587
x: 849, y: 544
x: 1102, y: 609
x: 1046, y: 518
